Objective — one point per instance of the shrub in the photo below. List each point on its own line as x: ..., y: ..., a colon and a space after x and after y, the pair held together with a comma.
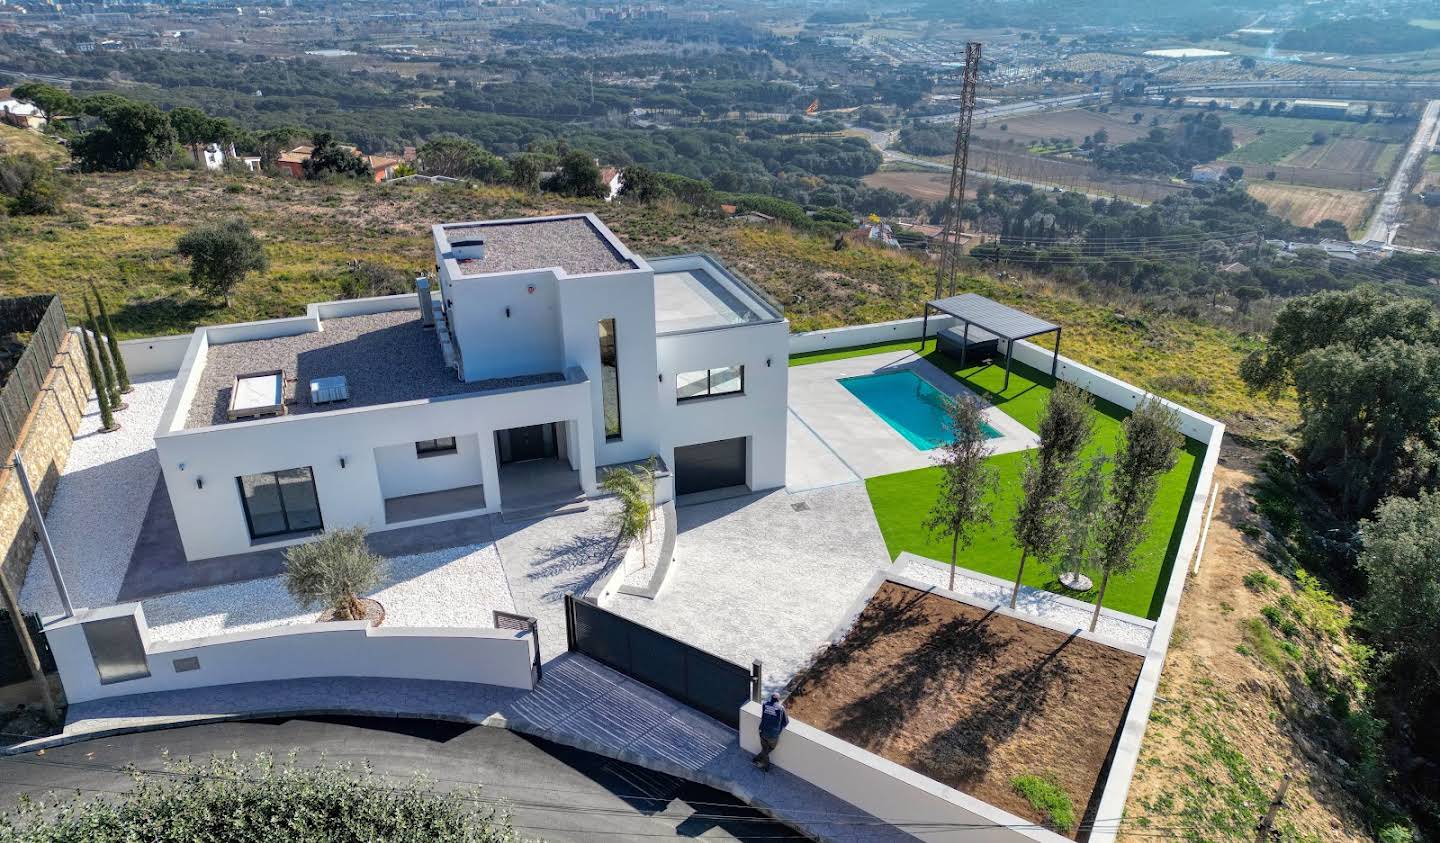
x: 221, y: 255
x: 1047, y: 797
x: 1261, y: 643
x: 332, y: 571
x: 228, y: 799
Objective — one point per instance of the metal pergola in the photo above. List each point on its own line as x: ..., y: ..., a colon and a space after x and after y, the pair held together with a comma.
x: 996, y: 320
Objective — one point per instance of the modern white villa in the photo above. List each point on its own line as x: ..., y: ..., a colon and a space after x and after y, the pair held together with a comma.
x: 548, y: 351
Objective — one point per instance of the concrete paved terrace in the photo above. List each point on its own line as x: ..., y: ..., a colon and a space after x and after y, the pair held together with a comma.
x: 765, y: 577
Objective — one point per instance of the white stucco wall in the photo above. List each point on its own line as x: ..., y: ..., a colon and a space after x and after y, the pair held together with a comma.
x: 154, y: 355
x: 342, y: 648
x: 404, y: 472
x: 212, y: 521
x: 759, y: 414
x: 629, y: 299
x: 493, y: 344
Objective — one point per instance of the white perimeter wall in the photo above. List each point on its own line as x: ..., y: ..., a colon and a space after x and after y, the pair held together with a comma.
x: 759, y: 414
x: 1194, y: 425
x: 886, y: 789
x: 304, y: 651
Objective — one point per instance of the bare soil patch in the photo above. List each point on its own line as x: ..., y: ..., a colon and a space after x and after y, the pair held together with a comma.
x: 970, y: 698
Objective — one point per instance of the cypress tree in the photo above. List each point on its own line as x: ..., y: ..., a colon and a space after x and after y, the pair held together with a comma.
x: 107, y: 418
x: 121, y: 374
x: 112, y: 389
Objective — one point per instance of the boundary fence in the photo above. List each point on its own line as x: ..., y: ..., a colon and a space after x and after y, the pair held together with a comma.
x: 701, y: 680
x: 43, y: 318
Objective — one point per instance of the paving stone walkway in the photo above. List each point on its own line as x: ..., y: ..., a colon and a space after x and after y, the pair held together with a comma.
x: 580, y: 703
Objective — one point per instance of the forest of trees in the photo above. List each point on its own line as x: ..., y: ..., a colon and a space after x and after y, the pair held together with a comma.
x: 1198, y: 139
x: 1362, y: 35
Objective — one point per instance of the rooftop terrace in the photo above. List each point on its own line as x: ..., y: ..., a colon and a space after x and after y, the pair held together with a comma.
x: 693, y: 292
x: 385, y: 358
x: 572, y: 243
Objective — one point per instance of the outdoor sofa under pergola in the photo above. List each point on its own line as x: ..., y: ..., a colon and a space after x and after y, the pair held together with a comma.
x: 984, y: 324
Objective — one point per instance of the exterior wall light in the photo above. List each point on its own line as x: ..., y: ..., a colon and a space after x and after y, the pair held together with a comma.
x: 507, y: 313
x: 199, y: 482
x: 342, y: 462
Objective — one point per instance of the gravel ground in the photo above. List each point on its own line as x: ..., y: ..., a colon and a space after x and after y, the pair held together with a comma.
x: 457, y: 587
x: 571, y: 244
x: 385, y: 357
x: 1032, y: 601
x: 100, y: 503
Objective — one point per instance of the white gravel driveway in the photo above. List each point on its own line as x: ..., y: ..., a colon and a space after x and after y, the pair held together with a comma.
x: 100, y: 503
x: 457, y: 587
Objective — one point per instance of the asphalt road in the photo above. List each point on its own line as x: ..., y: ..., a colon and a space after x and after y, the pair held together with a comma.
x: 1383, y: 222
x: 552, y: 792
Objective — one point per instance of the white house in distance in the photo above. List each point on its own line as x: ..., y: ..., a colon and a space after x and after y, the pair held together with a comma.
x: 549, y: 351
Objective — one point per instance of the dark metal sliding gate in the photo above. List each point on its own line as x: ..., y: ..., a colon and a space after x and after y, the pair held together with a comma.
x: 702, y: 681
x: 506, y: 620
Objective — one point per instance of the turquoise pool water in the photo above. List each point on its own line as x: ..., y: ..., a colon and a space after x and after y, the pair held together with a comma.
x: 910, y: 405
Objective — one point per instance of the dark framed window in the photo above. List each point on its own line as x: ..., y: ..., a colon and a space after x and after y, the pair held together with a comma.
x: 280, y: 502
x: 435, y: 447
x: 710, y: 383
x: 610, y: 379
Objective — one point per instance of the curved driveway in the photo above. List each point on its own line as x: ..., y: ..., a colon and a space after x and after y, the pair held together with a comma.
x: 552, y: 792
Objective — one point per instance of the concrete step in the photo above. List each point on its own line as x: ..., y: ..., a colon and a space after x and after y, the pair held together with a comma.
x: 512, y: 515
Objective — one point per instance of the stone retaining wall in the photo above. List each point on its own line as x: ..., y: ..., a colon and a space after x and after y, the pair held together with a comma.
x: 45, y: 441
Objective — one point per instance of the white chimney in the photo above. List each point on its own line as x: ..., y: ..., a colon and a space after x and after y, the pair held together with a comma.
x: 427, y: 304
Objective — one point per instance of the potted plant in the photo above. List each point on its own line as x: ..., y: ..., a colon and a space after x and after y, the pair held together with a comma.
x: 332, y: 572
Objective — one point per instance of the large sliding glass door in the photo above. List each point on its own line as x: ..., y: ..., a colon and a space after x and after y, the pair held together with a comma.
x: 280, y: 502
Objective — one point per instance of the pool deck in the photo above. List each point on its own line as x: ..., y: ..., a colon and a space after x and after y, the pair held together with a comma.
x: 865, y: 443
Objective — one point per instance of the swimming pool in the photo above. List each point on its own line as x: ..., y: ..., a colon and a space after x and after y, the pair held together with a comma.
x: 914, y: 408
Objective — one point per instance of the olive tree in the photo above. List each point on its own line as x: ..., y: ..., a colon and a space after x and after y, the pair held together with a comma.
x: 1084, y: 504
x: 1148, y: 445
x: 1064, y: 431
x: 966, y: 480
x: 332, y: 571
x: 221, y: 255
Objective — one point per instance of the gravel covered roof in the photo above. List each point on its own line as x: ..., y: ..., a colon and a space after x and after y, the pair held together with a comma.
x: 572, y: 244
x: 385, y: 358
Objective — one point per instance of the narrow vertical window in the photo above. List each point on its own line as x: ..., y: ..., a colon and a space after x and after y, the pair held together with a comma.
x: 610, y: 379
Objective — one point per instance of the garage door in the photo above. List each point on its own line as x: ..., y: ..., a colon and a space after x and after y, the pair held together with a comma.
x: 711, y: 465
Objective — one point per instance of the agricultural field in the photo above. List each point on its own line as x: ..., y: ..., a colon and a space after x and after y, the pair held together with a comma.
x: 1031, y: 129
x: 1307, y: 205
x: 1355, y: 156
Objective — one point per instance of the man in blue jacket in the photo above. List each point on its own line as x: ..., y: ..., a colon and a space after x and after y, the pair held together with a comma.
x: 773, y: 721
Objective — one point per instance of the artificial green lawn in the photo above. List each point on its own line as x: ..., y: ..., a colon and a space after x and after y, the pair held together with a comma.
x: 901, y: 501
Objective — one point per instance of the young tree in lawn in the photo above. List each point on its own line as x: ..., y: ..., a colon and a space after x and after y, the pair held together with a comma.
x: 966, y: 480
x: 221, y: 255
x: 1084, y: 504
x: 102, y: 397
x: 122, y: 375
x: 107, y: 369
x: 332, y: 571
x: 1147, y: 450
x: 1064, y: 431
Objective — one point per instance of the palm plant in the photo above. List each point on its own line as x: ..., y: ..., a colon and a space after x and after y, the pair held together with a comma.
x: 633, y: 517
x: 333, y: 571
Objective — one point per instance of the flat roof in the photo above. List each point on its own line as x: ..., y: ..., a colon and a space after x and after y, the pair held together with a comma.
x: 693, y: 292
x: 1002, y: 320
x: 385, y: 358
x: 572, y: 243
